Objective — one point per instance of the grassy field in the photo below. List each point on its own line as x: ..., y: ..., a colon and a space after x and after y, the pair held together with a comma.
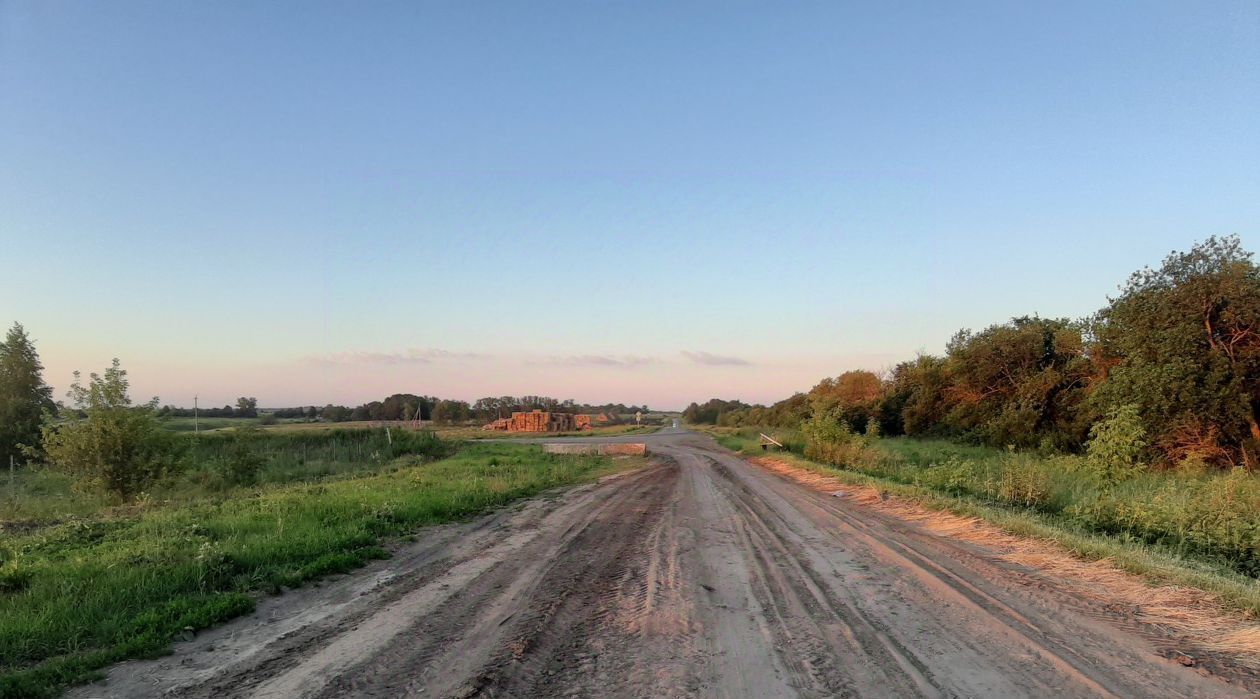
x: 205, y: 424
x: 1191, y: 528
x: 90, y: 582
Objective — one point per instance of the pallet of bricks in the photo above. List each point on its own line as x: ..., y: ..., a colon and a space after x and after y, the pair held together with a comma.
x: 535, y: 421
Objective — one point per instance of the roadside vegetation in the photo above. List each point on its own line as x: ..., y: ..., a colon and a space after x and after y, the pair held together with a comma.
x: 1139, y: 423
x: 119, y: 535
x: 991, y: 484
x: 123, y: 582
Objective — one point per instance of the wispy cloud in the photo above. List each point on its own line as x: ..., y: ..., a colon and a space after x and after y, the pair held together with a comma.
x: 709, y: 359
x: 412, y: 355
x: 596, y: 360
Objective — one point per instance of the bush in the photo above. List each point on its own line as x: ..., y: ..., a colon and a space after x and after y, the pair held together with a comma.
x: 1117, y: 445
x: 117, y: 446
x: 829, y: 439
x: 1025, y: 481
x: 241, y: 462
x: 955, y: 476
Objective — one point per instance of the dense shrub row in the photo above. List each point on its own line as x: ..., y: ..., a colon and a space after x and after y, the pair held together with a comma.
x: 1169, y: 369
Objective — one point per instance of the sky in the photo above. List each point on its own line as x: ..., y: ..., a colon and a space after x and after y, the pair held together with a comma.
x: 639, y: 202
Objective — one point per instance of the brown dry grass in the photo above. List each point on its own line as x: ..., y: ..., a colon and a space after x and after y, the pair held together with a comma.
x: 1189, y: 613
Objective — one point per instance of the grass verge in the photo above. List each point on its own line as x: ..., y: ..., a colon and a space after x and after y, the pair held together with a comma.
x: 79, y: 595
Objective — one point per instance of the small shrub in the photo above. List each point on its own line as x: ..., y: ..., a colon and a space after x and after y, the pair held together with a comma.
x: 1117, y: 445
x: 872, y: 427
x: 955, y: 476
x: 1024, y: 482
x: 241, y: 462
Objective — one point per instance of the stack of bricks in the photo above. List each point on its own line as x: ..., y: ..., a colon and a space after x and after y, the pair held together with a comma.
x: 538, y: 421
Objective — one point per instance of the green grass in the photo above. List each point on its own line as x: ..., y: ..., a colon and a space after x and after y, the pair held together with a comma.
x: 90, y: 591
x: 1200, y: 529
x: 205, y: 424
x: 217, y: 464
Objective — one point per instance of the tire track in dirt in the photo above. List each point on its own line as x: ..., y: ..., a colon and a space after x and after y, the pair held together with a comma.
x: 700, y: 575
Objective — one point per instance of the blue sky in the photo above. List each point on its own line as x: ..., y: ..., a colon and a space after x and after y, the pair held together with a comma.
x: 647, y: 202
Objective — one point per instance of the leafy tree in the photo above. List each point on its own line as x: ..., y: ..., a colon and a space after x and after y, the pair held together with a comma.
x: 916, y: 401
x: 1020, y: 383
x: 119, y: 446
x: 851, y: 397
x: 334, y: 413
x: 24, y: 397
x: 247, y: 407
x: 451, y: 411
x: 711, y: 412
x: 1182, y: 343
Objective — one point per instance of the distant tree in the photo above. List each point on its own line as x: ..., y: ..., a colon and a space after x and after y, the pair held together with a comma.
x: 312, y: 412
x: 451, y: 411
x: 247, y: 407
x: 24, y: 397
x: 119, y: 446
x: 334, y: 413
x: 711, y: 412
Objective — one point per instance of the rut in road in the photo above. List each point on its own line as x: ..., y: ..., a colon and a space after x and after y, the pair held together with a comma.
x: 702, y: 575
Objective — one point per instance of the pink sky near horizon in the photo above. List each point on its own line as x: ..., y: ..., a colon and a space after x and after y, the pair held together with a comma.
x: 661, y: 382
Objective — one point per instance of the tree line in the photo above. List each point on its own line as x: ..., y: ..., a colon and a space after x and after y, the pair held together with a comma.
x: 31, y: 421
x: 1173, y: 361
x: 245, y: 407
x: 408, y: 406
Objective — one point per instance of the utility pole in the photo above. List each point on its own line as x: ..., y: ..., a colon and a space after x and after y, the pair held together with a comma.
x: 196, y: 426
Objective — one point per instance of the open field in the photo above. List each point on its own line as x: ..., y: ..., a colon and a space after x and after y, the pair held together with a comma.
x: 703, y: 574
x: 114, y: 582
x: 206, y: 424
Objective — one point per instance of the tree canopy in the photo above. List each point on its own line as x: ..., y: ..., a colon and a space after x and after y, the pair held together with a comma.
x: 24, y: 397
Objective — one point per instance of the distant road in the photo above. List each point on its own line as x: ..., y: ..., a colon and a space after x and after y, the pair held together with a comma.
x: 701, y: 575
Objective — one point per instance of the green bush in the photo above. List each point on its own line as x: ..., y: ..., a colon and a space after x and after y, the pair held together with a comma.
x: 1117, y: 445
x: 116, y: 445
x: 956, y: 476
x: 1025, y: 482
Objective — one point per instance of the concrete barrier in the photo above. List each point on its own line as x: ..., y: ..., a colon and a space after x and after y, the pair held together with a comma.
x: 638, y: 449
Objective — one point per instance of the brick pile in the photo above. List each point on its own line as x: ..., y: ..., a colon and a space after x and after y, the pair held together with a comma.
x: 536, y: 421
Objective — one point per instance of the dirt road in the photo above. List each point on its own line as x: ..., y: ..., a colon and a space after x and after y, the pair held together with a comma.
x: 702, y: 575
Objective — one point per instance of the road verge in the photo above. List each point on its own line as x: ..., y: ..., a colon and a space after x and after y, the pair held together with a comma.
x: 1208, y: 611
